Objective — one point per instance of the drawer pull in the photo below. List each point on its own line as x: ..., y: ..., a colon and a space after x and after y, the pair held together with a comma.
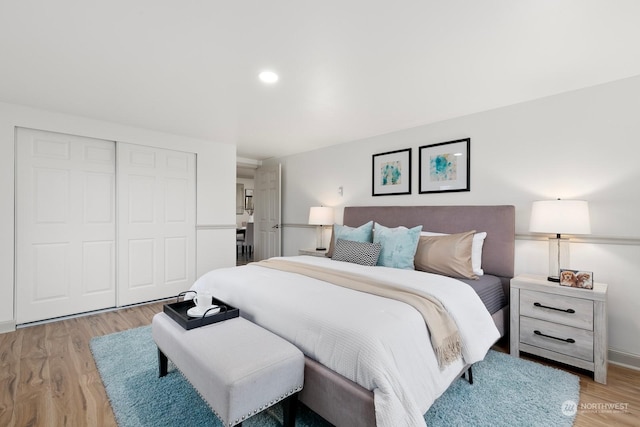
x: 568, y: 310
x: 569, y: 340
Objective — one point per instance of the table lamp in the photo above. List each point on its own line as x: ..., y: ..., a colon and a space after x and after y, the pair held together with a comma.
x: 320, y: 216
x: 559, y: 217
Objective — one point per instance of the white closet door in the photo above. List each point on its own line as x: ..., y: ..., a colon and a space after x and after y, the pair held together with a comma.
x: 65, y: 225
x: 156, y: 223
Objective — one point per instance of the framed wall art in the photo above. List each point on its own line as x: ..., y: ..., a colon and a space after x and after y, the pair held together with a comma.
x: 391, y: 173
x: 445, y: 166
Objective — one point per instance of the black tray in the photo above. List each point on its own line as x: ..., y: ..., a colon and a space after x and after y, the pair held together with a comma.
x: 178, y: 312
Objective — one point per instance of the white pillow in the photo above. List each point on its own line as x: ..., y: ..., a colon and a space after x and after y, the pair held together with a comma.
x: 476, y: 249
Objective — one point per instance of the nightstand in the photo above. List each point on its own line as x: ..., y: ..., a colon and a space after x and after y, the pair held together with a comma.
x: 565, y: 324
x: 312, y: 252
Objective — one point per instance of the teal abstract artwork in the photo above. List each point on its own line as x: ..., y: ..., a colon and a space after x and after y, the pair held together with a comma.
x: 443, y: 167
x: 391, y: 173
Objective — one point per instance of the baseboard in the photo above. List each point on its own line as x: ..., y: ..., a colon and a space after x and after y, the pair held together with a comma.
x: 624, y: 359
x: 7, y: 327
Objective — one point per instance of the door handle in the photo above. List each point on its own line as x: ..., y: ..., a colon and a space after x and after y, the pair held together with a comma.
x: 276, y: 226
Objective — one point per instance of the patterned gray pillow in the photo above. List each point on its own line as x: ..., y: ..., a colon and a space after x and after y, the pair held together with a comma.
x: 362, y: 253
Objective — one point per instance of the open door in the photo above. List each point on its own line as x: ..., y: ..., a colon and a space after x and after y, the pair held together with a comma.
x: 267, y: 233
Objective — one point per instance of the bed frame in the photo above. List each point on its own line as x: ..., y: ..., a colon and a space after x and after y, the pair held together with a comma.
x: 341, y: 401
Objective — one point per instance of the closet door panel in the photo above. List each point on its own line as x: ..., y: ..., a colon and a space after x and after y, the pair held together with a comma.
x: 156, y: 223
x: 98, y: 267
x: 176, y: 261
x: 51, y: 279
x: 65, y: 225
x: 140, y: 262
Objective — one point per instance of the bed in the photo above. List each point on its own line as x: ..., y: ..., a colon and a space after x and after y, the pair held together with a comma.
x: 338, y: 391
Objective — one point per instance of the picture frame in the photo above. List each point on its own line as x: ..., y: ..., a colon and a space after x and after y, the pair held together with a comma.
x: 239, y: 199
x: 445, y: 167
x: 576, y: 278
x: 248, y: 200
x: 391, y: 173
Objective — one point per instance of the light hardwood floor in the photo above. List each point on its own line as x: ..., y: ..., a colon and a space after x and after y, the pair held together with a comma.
x: 48, y: 376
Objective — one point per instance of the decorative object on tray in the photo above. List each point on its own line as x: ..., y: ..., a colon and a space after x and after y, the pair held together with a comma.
x: 576, y: 278
x: 206, y: 311
x: 391, y: 173
x: 559, y: 217
x: 203, y: 300
x: 445, y: 167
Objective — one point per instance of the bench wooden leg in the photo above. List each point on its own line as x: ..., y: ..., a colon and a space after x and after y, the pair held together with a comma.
x: 163, y: 362
x: 289, y: 408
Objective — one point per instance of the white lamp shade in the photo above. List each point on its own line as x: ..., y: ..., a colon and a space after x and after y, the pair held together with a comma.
x: 560, y: 217
x: 321, y: 215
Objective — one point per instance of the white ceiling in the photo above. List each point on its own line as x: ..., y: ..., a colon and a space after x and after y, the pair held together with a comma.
x: 348, y: 69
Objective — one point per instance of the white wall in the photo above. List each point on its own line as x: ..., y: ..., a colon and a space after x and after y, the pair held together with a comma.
x: 216, y: 165
x: 582, y: 144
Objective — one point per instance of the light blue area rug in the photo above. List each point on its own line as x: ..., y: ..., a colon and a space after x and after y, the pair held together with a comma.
x: 506, y: 392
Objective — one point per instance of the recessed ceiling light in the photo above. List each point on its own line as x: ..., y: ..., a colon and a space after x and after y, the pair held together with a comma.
x: 268, y: 77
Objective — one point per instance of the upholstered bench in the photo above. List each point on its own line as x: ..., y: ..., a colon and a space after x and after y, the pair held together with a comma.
x: 238, y: 367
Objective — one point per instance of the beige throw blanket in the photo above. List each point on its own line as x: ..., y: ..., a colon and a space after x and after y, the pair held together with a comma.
x: 445, y: 337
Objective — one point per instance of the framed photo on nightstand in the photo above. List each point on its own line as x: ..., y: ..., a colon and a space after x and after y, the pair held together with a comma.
x: 576, y: 278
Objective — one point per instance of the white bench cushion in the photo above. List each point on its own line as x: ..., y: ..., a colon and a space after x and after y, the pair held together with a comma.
x: 237, y: 367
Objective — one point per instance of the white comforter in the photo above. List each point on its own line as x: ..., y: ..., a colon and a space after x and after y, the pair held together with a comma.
x: 379, y: 343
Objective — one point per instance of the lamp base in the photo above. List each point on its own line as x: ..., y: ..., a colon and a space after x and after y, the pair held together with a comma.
x: 558, y: 257
x: 320, y: 239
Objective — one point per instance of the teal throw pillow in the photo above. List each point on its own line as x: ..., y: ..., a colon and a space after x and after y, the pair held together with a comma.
x: 398, y: 245
x: 364, y: 234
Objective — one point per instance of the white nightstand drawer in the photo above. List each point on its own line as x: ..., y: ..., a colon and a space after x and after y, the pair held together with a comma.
x: 567, y: 340
x: 557, y: 308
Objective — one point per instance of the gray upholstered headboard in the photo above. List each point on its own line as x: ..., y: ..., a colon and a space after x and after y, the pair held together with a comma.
x: 497, y: 221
